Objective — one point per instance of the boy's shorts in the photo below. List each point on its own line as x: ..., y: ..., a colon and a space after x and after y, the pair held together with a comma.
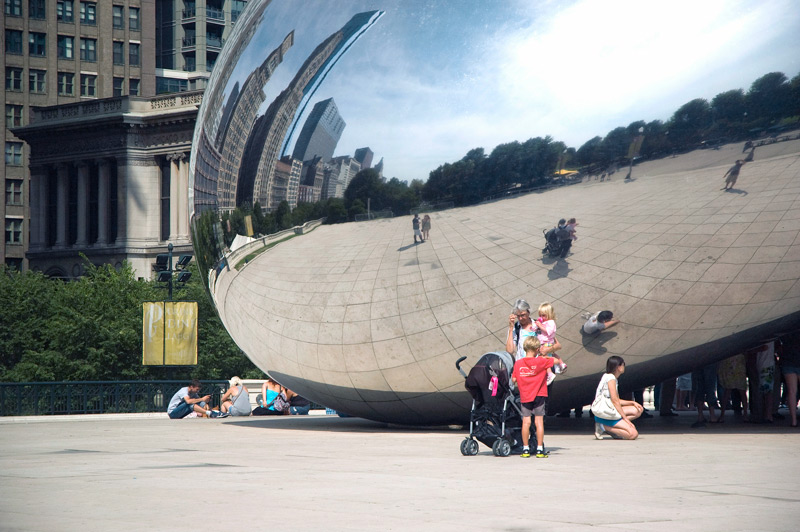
x: 534, y: 408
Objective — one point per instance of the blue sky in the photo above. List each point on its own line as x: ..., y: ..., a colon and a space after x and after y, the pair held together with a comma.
x: 433, y: 79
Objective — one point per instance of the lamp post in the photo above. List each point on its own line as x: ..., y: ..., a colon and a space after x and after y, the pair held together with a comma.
x: 166, y: 272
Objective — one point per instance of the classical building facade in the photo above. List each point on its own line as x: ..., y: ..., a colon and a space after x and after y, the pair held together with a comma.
x: 109, y: 180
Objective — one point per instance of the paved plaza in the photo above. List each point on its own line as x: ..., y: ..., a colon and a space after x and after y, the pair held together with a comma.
x: 146, y: 472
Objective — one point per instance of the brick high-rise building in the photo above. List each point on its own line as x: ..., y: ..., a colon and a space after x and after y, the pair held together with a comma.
x: 58, y: 52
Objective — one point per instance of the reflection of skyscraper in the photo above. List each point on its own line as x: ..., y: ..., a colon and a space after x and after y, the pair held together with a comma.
x: 338, y: 174
x: 281, y: 114
x: 364, y: 156
x: 379, y: 168
x: 241, y: 121
x: 320, y: 133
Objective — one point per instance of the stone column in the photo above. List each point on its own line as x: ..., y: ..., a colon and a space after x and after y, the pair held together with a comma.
x: 122, y: 207
x: 174, y: 178
x: 83, y: 204
x: 61, y: 206
x: 103, y: 200
x: 183, y: 199
x: 38, y: 208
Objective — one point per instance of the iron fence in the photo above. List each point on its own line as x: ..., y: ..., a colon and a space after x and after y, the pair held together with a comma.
x: 95, y: 397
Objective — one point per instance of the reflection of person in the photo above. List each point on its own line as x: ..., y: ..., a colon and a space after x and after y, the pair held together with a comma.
x: 732, y: 375
x: 530, y: 374
x: 704, y: 384
x: 622, y: 428
x: 520, y: 326
x: 187, y: 400
x: 790, y: 365
x: 426, y: 227
x: 415, y: 226
x: 599, y: 321
x: 236, y: 401
x: 732, y: 174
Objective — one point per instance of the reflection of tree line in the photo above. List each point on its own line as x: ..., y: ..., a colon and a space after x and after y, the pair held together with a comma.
x: 771, y: 103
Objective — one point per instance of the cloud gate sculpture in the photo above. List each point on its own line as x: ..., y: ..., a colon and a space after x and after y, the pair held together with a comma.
x: 358, y: 318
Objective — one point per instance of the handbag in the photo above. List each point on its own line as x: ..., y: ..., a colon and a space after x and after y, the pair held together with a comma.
x: 603, y: 408
x: 280, y: 403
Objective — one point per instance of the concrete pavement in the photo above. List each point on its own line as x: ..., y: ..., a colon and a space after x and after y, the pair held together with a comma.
x: 328, y: 473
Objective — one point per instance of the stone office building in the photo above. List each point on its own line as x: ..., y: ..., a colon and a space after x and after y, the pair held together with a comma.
x: 109, y: 180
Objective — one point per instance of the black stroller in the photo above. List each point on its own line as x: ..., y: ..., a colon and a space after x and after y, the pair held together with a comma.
x: 495, y: 419
x: 556, y: 239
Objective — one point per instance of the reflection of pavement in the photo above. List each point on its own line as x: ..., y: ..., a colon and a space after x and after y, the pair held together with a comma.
x: 353, y: 317
x: 327, y: 473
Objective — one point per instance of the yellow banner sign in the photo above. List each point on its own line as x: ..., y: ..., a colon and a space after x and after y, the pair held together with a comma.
x: 169, y: 333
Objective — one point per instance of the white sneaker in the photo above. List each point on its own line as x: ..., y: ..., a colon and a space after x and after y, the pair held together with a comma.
x: 550, y: 378
x: 598, y: 431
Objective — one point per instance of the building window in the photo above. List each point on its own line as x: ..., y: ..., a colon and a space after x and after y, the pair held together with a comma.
x: 118, y: 16
x: 13, y: 192
x: 13, y: 231
x: 89, y: 13
x: 66, y: 84
x: 14, y: 263
x: 119, y: 53
x: 37, y: 44
x: 133, y: 19
x: 134, y: 87
x: 133, y: 54
x: 14, y: 42
x: 36, y: 9
x: 66, y: 47
x: 167, y: 85
x: 36, y: 80
x: 13, y: 79
x: 13, y: 115
x: 88, y: 85
x: 14, y: 153
x: 13, y: 8
x: 64, y: 11
x: 89, y: 50
x: 119, y: 86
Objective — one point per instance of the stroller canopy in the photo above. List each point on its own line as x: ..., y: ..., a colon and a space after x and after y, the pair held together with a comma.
x: 479, y: 383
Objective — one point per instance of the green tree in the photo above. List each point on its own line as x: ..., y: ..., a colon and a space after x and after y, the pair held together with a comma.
x: 769, y: 97
x: 688, y: 123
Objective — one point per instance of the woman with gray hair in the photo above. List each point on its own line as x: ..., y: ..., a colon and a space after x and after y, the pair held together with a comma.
x: 236, y: 401
x: 520, y: 327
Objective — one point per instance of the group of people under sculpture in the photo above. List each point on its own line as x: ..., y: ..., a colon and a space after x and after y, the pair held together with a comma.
x: 533, y: 344
x: 274, y: 400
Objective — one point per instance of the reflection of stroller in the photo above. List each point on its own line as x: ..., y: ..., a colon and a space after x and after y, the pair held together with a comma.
x: 557, y: 240
x: 495, y: 419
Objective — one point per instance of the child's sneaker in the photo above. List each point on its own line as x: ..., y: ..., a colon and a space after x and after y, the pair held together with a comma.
x: 526, y: 453
x: 550, y: 377
x: 542, y: 453
x: 562, y: 368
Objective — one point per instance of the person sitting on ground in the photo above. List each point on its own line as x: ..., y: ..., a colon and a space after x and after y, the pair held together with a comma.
x: 622, y: 428
x: 272, y: 401
x: 236, y: 401
x: 187, y: 400
x: 599, y: 321
x: 298, y: 405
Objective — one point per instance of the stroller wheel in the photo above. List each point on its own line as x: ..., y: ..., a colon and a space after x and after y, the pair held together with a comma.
x: 469, y: 447
x: 501, y: 447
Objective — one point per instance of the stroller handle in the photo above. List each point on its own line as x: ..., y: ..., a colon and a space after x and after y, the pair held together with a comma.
x: 458, y: 366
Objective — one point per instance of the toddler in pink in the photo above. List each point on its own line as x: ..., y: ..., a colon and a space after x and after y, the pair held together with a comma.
x: 546, y: 325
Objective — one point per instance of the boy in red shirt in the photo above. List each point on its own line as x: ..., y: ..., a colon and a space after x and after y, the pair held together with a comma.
x: 530, y: 374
